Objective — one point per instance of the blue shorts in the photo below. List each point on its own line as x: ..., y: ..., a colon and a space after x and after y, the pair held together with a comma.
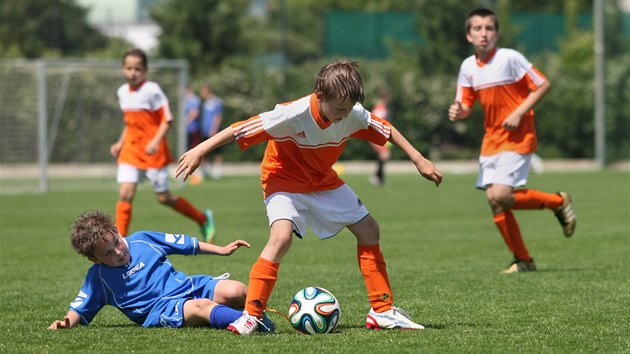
x: 169, y: 311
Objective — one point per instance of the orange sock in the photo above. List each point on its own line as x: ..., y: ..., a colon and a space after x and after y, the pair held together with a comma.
x: 499, y: 221
x: 262, y: 278
x: 123, y: 217
x: 508, y: 227
x: 184, y: 207
x: 534, y: 199
x: 372, y: 265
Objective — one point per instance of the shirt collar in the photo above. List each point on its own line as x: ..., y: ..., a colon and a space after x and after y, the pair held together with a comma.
x: 321, y: 121
x: 482, y: 63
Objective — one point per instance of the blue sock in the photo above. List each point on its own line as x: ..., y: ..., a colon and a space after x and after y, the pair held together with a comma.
x: 221, y: 316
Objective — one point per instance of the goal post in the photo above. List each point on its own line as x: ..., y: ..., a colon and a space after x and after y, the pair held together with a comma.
x: 65, y: 112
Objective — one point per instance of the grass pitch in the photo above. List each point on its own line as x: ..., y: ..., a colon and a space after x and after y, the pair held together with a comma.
x: 442, y: 250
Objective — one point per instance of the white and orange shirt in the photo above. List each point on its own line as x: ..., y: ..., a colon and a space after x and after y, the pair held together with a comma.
x: 501, y: 83
x: 303, y: 146
x: 145, y: 107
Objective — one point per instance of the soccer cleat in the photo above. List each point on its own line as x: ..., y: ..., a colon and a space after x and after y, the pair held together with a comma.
x: 266, y: 325
x: 393, y: 318
x: 207, y: 229
x: 566, y: 215
x: 247, y: 324
x: 519, y: 266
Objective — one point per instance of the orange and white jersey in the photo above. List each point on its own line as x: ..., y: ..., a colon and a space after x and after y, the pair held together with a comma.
x: 303, y: 146
x: 501, y: 83
x: 145, y: 107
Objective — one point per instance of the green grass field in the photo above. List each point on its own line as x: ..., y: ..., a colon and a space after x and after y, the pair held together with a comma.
x: 443, y: 254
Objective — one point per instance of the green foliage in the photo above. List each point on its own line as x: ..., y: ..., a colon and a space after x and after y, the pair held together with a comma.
x: 204, y: 32
x: 45, y: 28
x: 443, y: 258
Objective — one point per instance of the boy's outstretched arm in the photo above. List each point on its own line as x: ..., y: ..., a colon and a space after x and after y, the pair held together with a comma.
x: 190, y: 160
x: 71, y: 320
x: 426, y: 168
x: 208, y: 248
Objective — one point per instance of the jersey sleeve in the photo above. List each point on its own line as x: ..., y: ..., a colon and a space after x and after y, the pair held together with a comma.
x: 524, y: 69
x: 377, y: 132
x: 91, y: 297
x: 159, y: 103
x: 172, y: 243
x: 264, y: 127
x: 250, y: 132
x: 465, y: 92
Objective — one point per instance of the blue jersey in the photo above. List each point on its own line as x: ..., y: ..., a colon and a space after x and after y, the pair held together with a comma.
x: 148, y: 279
x: 192, y: 102
x: 210, y: 109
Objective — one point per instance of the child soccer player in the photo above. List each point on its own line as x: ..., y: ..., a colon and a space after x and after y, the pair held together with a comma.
x: 142, y: 149
x: 134, y: 275
x: 305, y: 138
x: 381, y: 110
x: 507, y: 87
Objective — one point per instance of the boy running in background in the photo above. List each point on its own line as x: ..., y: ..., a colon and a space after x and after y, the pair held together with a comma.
x: 142, y: 150
x: 304, y: 139
x: 134, y: 275
x: 507, y: 87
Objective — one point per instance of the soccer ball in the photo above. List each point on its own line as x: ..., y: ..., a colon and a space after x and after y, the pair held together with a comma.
x: 314, y: 310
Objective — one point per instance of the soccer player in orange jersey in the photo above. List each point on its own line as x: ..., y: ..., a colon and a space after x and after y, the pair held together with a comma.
x: 508, y: 87
x: 142, y: 150
x: 304, y: 139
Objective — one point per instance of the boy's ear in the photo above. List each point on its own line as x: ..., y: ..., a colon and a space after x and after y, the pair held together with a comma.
x: 320, y: 96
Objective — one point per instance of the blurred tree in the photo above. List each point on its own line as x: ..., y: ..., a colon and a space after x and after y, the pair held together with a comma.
x: 45, y: 28
x: 204, y: 32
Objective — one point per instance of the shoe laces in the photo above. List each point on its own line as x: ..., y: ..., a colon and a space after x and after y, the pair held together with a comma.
x: 398, y: 310
x: 252, y: 320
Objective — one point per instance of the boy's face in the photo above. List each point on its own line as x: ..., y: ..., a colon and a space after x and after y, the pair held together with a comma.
x: 134, y: 70
x: 483, y: 34
x: 334, y: 110
x: 113, y: 252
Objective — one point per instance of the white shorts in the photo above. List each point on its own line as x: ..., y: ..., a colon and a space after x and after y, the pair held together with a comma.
x: 131, y: 174
x: 326, y: 212
x: 506, y: 168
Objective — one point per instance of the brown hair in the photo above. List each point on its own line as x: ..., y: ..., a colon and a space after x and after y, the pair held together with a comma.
x: 139, y: 53
x: 482, y: 12
x: 340, y: 79
x: 90, y: 229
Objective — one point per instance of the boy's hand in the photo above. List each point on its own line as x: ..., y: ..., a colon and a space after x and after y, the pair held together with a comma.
x: 187, y: 164
x: 428, y: 170
x: 512, y: 121
x: 455, y: 111
x: 115, y: 149
x: 233, y: 246
x: 208, y: 248
x: 58, y: 324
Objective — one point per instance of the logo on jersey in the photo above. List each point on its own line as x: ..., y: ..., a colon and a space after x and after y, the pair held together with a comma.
x: 301, y: 134
x: 174, y: 238
x: 133, y: 270
x: 359, y: 202
x: 78, y: 301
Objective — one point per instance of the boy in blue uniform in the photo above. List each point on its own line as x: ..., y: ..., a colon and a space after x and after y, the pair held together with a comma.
x: 134, y: 275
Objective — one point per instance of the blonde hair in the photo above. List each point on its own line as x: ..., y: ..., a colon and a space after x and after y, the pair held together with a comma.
x: 90, y: 229
x: 340, y: 80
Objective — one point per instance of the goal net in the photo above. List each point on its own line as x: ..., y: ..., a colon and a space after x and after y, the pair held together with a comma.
x: 64, y: 114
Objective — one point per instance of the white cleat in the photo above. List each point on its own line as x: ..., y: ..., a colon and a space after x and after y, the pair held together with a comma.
x: 394, y: 318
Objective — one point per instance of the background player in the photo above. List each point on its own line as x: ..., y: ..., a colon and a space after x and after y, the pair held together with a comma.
x: 142, y: 149
x: 507, y: 87
x: 211, y: 117
x: 381, y: 110
x: 304, y: 139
